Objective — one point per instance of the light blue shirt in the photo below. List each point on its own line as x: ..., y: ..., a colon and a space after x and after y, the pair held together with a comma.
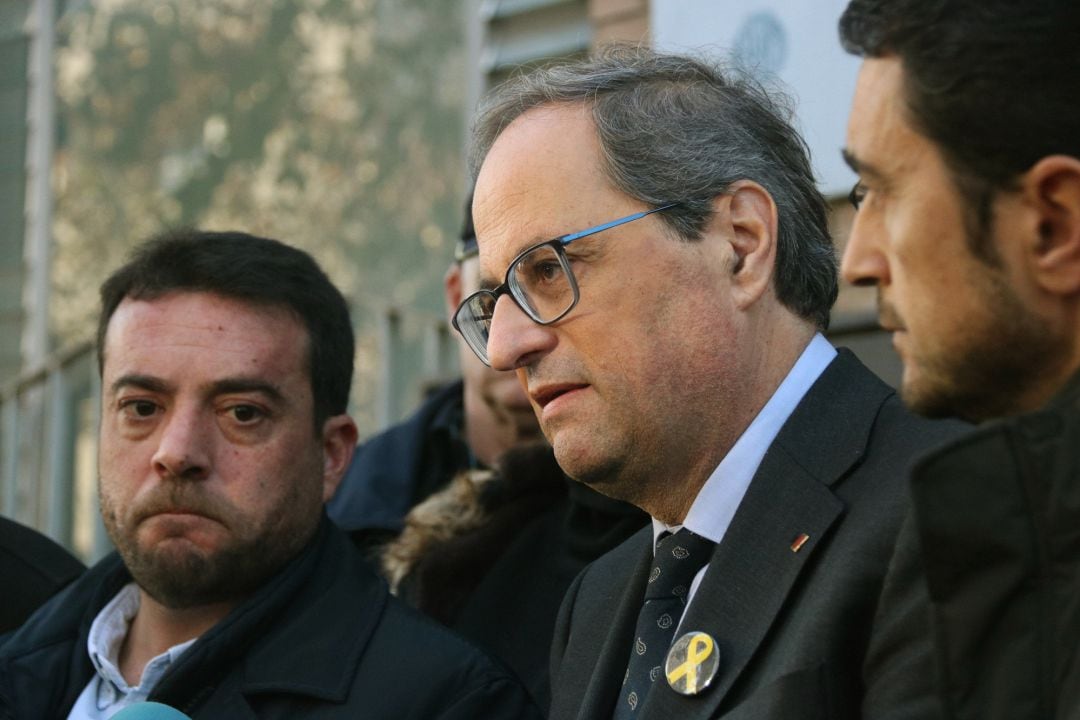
x: 716, y: 502
x: 108, y: 693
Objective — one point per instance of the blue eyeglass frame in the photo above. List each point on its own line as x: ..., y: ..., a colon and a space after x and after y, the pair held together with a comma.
x: 559, y: 243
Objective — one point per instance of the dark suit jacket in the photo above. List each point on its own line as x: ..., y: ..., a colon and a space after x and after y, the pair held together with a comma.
x: 791, y: 627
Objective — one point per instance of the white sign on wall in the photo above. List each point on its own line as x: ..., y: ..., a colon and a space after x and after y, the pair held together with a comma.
x: 794, y: 41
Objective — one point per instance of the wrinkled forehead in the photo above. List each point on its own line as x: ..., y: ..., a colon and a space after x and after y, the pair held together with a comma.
x: 542, y: 178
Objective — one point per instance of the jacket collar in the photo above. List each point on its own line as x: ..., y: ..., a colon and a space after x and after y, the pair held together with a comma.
x: 342, y: 591
x: 266, y: 641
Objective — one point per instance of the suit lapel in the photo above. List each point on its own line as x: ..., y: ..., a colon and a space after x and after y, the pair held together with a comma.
x: 750, y: 577
x: 754, y: 568
x: 614, y: 632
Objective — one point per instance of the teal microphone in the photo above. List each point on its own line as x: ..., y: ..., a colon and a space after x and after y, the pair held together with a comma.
x: 150, y: 711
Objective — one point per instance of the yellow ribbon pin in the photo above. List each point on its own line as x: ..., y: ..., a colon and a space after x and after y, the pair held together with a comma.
x: 698, y: 648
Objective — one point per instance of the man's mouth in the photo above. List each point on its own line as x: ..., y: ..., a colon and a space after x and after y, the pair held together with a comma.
x: 888, y: 317
x: 163, y: 508
x: 544, y: 394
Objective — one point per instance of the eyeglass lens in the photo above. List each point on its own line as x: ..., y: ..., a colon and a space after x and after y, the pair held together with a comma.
x: 474, y: 321
x: 541, y: 281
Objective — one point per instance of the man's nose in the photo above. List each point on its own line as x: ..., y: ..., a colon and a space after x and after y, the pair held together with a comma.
x: 184, y: 449
x: 863, y: 262
x: 514, y: 340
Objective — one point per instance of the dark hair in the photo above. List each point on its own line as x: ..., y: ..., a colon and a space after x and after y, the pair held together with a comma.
x: 252, y: 269
x: 676, y: 128
x: 991, y: 82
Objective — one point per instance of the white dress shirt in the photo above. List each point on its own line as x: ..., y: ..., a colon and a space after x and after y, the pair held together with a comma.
x: 716, y: 502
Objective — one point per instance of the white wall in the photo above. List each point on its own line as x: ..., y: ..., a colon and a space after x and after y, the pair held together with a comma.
x: 795, y: 41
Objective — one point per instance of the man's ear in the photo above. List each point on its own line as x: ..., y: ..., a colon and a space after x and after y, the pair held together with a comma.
x: 339, y: 436
x: 452, y: 292
x: 748, y: 214
x: 1052, y: 188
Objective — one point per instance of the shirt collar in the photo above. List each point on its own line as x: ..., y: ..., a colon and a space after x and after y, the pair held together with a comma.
x: 103, y: 644
x: 716, y: 503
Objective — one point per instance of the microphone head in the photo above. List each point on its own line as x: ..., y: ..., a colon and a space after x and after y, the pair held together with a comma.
x: 150, y: 711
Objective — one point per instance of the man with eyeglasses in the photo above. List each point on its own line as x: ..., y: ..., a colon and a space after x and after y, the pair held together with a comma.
x: 673, y: 353
x: 466, y: 513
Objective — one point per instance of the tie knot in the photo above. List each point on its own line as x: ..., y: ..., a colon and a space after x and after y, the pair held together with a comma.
x: 678, y: 559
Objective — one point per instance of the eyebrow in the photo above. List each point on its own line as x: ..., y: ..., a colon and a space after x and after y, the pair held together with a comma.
x: 247, y: 385
x: 860, y: 167
x: 486, y: 283
x: 220, y: 387
x: 144, y: 382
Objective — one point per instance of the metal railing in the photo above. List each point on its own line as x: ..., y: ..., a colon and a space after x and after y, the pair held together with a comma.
x: 48, y: 450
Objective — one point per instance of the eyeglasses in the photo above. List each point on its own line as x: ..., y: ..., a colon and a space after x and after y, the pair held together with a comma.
x: 540, y: 282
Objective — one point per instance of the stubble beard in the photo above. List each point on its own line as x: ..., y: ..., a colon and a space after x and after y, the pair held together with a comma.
x: 994, y: 367
x: 180, y: 575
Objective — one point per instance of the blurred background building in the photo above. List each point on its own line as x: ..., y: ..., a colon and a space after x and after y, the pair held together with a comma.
x: 335, y: 125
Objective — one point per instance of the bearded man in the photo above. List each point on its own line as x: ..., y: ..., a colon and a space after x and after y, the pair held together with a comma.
x: 225, y: 363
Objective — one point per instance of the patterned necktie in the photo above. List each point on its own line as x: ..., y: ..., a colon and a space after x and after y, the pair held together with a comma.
x: 678, y: 559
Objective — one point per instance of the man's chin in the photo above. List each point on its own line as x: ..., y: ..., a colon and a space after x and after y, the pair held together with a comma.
x: 181, y: 574
x: 939, y: 398
x: 581, y: 459
x: 920, y: 395
x: 179, y: 577
x: 926, y: 404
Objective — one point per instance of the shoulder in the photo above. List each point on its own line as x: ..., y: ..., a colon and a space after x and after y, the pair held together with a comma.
x: 45, y: 660
x: 899, y: 439
x: 29, y: 553
x: 601, y: 585
x: 445, y: 676
x: 851, y: 408
x: 607, y: 573
x: 906, y: 430
x: 34, y: 568
x: 69, y: 612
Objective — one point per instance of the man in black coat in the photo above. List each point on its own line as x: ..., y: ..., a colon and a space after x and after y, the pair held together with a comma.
x: 226, y: 361
x: 965, y: 133
x: 657, y: 267
x: 34, y: 568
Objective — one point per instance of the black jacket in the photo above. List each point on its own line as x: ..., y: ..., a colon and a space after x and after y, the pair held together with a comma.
x: 985, y: 588
x: 322, y: 639
x: 33, y: 568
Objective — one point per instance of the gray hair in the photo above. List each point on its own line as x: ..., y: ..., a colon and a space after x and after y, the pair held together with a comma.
x: 676, y: 128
